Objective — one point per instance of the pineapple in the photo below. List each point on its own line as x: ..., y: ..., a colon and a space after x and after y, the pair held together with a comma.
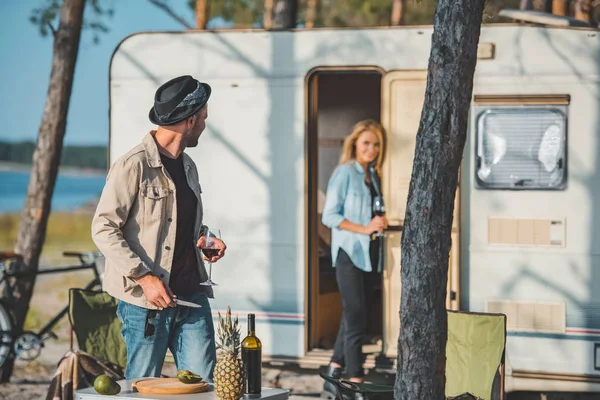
x: 229, y: 371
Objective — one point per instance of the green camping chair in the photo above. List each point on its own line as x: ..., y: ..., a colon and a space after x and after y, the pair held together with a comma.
x: 94, y: 321
x: 475, y: 354
x: 474, y: 358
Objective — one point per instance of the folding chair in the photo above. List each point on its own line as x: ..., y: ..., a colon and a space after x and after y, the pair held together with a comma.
x: 474, y: 357
x: 346, y: 390
x: 93, y: 319
x: 475, y: 354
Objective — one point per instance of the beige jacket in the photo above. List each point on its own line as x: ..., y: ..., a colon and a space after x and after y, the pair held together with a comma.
x: 135, y: 223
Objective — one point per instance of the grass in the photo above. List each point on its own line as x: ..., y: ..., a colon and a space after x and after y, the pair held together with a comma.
x: 65, y: 232
x: 33, y: 320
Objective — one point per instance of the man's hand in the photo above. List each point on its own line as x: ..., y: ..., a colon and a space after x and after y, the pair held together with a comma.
x: 215, y: 244
x: 157, y: 293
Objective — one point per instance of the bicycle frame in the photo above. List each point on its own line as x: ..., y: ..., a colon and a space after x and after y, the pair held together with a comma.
x: 9, y: 295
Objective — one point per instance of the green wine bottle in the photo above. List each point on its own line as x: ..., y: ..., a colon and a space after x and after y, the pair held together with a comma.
x: 252, y: 359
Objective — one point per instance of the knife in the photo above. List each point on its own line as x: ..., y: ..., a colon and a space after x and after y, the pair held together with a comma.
x: 187, y: 303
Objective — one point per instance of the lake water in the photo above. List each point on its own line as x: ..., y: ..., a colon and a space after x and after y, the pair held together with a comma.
x: 70, y: 191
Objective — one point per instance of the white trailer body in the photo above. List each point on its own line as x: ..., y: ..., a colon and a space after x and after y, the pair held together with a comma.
x: 526, y: 237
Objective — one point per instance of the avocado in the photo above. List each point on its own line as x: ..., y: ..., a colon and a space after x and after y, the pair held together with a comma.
x: 106, y: 385
x: 186, y: 376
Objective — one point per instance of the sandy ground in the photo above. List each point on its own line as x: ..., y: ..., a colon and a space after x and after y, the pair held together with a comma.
x: 31, y: 380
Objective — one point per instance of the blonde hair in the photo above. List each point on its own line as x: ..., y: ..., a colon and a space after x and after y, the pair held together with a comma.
x: 349, y: 149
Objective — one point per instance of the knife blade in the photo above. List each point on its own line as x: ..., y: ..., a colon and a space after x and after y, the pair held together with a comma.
x: 187, y: 303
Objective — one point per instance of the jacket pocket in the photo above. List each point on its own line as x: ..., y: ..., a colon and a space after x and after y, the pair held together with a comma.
x: 155, y: 200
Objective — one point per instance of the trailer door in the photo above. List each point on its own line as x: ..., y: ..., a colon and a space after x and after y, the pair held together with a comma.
x: 403, y: 94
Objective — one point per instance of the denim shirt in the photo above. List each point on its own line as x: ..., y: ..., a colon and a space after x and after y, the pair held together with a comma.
x: 349, y: 198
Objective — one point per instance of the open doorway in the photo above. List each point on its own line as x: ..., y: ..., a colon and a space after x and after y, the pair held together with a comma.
x: 337, y: 99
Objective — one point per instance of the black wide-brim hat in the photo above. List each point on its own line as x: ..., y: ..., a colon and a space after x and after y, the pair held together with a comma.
x: 178, y: 99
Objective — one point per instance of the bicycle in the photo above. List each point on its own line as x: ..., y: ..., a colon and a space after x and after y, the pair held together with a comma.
x: 28, y: 345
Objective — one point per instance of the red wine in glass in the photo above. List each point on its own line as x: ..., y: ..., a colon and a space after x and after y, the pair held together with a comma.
x: 210, y: 251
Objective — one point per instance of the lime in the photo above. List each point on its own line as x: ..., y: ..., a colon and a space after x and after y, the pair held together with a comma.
x: 105, y: 384
x: 186, y: 376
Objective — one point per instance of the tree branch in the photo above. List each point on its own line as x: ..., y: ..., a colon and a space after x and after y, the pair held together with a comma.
x: 172, y: 13
x: 51, y: 28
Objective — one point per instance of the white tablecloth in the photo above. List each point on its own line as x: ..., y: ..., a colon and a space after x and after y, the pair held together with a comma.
x: 126, y: 393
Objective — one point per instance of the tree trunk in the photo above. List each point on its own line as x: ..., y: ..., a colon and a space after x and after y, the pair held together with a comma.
x: 582, y: 10
x: 430, y: 206
x: 202, y: 12
x: 559, y: 7
x: 542, y: 5
x: 46, y: 158
x: 526, y: 5
x: 311, y: 13
x: 268, y: 14
x: 397, y: 12
x: 284, y: 14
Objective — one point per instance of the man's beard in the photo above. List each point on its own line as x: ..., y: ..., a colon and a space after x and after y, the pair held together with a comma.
x: 192, y: 142
x: 192, y: 139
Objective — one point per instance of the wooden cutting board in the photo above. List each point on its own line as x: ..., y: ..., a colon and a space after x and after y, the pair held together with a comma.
x: 168, y: 386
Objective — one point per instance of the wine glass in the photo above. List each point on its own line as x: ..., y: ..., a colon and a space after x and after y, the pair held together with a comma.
x: 378, y: 209
x: 210, y: 250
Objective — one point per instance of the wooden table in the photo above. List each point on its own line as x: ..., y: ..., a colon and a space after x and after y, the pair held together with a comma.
x: 126, y: 393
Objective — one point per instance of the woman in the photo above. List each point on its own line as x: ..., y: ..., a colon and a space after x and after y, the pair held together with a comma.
x: 348, y: 212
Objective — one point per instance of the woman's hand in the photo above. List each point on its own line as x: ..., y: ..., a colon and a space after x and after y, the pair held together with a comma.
x: 377, y: 224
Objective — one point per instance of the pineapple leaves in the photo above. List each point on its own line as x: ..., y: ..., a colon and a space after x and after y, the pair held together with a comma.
x: 228, y: 334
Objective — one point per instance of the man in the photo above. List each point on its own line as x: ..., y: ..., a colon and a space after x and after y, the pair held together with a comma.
x: 148, y: 225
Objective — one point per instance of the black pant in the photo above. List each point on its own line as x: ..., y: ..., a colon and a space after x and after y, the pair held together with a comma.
x: 354, y: 285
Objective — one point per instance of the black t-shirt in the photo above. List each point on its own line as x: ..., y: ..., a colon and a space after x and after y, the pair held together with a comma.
x: 185, y: 278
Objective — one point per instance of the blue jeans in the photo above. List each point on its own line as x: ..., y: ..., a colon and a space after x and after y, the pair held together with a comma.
x: 188, y: 332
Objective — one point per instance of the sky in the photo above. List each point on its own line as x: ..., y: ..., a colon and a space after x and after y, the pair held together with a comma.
x: 26, y: 65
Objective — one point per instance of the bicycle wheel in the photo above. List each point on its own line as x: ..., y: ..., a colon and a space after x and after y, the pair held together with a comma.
x: 6, y: 337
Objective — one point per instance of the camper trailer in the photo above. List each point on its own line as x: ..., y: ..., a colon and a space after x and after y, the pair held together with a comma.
x: 526, y: 230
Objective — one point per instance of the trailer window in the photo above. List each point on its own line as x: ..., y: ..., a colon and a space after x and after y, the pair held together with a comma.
x: 520, y: 147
